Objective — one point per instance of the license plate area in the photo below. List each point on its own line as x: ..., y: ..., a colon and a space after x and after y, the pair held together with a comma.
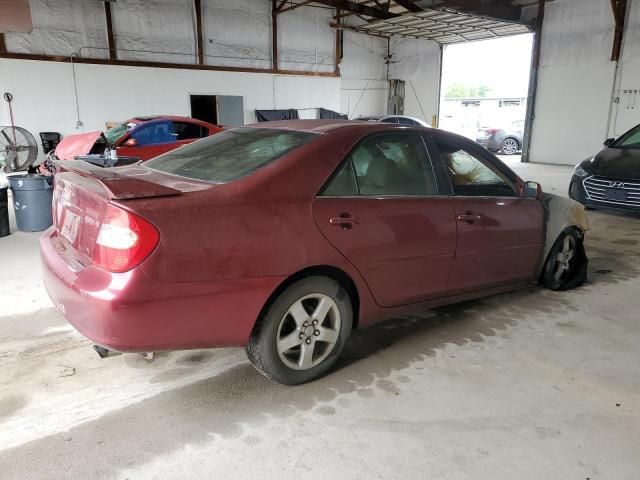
x: 615, y: 194
x: 70, y: 226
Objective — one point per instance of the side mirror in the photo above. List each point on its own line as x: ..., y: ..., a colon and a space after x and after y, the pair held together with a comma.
x: 131, y: 142
x: 608, y: 142
x: 532, y: 190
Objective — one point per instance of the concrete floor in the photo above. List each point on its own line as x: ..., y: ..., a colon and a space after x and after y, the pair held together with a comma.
x: 527, y: 385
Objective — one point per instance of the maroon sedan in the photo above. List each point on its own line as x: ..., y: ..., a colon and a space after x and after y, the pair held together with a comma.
x: 283, y: 237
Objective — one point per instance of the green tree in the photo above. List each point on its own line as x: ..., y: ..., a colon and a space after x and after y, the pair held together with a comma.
x: 460, y: 90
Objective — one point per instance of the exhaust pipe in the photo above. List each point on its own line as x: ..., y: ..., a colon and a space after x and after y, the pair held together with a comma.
x: 103, y: 352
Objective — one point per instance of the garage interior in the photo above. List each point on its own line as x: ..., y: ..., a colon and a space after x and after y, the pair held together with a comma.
x: 529, y: 384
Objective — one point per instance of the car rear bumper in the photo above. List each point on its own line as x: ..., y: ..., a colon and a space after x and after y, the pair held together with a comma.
x: 488, y: 143
x: 129, y: 312
x: 578, y: 193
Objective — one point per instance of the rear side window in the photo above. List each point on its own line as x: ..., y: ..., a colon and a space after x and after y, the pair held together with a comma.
x: 385, y: 165
x: 230, y: 154
x: 188, y: 131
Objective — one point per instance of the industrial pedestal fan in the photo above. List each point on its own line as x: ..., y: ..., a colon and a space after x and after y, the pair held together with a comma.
x: 18, y: 149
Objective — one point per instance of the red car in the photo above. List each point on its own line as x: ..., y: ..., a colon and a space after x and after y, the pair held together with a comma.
x: 141, y: 137
x: 285, y: 236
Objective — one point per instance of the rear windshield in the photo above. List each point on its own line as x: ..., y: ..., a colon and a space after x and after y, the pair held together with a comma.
x: 230, y: 154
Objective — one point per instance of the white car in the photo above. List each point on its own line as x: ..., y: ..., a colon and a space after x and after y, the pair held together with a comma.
x: 397, y: 119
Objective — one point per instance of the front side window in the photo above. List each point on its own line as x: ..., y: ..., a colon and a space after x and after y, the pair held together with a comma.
x: 153, y: 133
x: 388, y: 164
x: 230, y: 154
x: 470, y: 174
x: 631, y: 139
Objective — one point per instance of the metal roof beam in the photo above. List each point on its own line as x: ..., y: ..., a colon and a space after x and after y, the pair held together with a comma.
x: 409, y: 5
x: 358, y: 8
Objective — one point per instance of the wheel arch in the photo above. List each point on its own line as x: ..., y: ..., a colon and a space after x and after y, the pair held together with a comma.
x: 511, y: 137
x: 561, y: 214
x: 547, y: 253
x: 329, y: 271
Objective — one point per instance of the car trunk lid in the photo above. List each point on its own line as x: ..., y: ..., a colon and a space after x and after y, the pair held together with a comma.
x: 84, y: 195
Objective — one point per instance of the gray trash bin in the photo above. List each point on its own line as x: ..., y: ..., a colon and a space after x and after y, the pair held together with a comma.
x: 32, y: 195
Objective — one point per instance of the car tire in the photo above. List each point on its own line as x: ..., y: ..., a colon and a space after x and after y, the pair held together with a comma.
x: 509, y: 146
x: 302, y: 332
x: 566, y: 265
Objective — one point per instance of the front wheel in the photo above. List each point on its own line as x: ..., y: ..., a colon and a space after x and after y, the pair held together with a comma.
x: 509, y: 146
x: 566, y: 266
x: 303, y: 332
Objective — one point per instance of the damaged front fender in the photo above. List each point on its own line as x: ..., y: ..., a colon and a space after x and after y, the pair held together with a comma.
x: 560, y: 213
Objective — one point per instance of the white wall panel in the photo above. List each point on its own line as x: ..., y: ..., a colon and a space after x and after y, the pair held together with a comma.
x: 417, y: 62
x: 364, y: 87
x: 305, y: 40
x: 237, y: 33
x: 63, y: 27
x: 574, y: 81
x: 571, y: 113
x: 47, y: 103
x: 577, y: 33
x: 155, y: 30
x: 363, y: 97
x: 626, y: 110
x: 363, y: 57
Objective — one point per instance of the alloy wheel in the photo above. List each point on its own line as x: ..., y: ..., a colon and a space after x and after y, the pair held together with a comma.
x: 308, y: 331
x: 509, y: 146
x: 564, y: 257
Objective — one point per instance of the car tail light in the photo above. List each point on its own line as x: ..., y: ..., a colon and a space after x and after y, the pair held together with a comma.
x: 124, y: 240
x: 491, y: 131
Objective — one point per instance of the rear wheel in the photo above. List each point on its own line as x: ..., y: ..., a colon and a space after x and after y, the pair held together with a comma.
x: 510, y: 146
x: 566, y: 265
x: 303, y: 332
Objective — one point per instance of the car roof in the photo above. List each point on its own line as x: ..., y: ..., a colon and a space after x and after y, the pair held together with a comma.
x: 323, y: 125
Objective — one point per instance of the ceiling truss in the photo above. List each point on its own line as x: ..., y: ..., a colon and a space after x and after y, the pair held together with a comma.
x: 442, y: 21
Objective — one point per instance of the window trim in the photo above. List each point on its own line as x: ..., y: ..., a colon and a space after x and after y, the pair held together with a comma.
x: 471, y: 147
x: 347, y: 158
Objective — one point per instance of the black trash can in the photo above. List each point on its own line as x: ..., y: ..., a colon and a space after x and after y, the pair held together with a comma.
x: 32, y: 196
x: 4, y: 211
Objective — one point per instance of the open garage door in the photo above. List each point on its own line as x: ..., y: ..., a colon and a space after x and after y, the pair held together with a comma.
x: 447, y: 23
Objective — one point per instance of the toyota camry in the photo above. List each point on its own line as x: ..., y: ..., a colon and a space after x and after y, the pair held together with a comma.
x: 283, y: 237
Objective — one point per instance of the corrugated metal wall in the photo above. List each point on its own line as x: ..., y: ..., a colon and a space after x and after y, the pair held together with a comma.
x: 576, y: 80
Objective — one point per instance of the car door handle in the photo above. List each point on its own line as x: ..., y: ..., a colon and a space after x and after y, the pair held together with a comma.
x: 344, y: 221
x: 469, y: 217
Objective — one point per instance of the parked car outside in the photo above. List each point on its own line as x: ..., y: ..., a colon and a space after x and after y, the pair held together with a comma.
x: 283, y: 237
x: 141, y: 137
x: 397, y: 119
x: 507, y: 141
x: 610, y: 179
